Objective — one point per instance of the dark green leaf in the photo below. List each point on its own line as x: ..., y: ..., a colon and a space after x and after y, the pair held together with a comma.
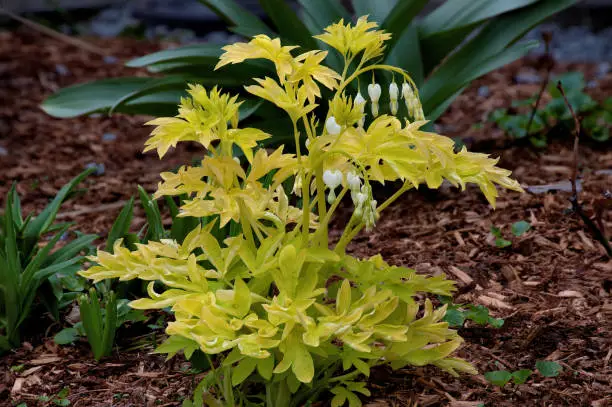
x: 573, y: 82
x: 66, y: 336
x: 43, y: 221
x: 155, y: 228
x: 521, y: 376
x: 454, y: 317
x: 324, y: 13
x: 91, y: 97
x: 496, y: 322
x: 486, y: 51
x: 377, y: 11
x: 192, y: 54
x: 400, y: 18
x: 548, y: 368
x: 242, y: 21
x: 288, y: 24
x: 455, y: 14
x: 407, y: 54
x: 498, y: 377
x: 479, y: 314
x: 519, y: 228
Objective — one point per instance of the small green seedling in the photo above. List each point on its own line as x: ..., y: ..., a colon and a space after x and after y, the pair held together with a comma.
x: 502, y: 377
x: 457, y: 314
x: 548, y: 368
x: 520, y: 122
x: 518, y: 229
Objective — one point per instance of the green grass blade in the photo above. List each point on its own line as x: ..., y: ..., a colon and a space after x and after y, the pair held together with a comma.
x: 43, y: 221
x: 110, y: 324
x: 70, y: 250
x: 121, y: 226
x: 91, y: 317
x: 28, y: 280
x: 155, y: 228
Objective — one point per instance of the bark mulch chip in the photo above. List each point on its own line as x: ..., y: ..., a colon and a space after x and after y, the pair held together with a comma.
x: 551, y: 286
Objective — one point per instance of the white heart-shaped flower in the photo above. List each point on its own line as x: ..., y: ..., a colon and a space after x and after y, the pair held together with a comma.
x: 332, y: 126
x: 374, y: 92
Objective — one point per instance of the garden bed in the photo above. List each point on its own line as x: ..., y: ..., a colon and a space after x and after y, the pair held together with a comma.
x: 551, y: 285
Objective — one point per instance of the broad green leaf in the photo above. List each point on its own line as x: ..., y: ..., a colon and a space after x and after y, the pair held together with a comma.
x: 243, y: 370
x: 241, y: 21
x: 519, y: 228
x: 377, y: 10
x: 91, y: 97
x: 169, y: 83
x: 407, y: 53
x: 450, y: 78
x: 324, y: 13
x: 573, y: 82
x: 460, y: 13
x: 501, y: 242
x: 198, y: 54
x: 401, y: 17
x: 548, y: 368
x: 66, y: 336
x: 488, y: 45
x: 288, y: 24
x: 478, y: 314
x: 265, y: 367
x: 521, y: 376
x: 454, y: 317
x: 498, y: 377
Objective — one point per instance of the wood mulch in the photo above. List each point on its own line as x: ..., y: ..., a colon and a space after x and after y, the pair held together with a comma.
x: 552, y: 285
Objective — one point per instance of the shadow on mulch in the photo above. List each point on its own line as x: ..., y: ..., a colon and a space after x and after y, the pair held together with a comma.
x: 552, y: 286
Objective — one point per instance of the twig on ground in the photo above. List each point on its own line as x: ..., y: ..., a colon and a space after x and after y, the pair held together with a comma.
x: 57, y: 35
x: 597, y: 233
x: 550, y: 62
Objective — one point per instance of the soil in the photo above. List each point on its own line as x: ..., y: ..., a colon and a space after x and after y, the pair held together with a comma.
x: 551, y: 286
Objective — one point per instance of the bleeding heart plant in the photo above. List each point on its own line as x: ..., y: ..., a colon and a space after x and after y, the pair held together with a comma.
x: 286, y: 317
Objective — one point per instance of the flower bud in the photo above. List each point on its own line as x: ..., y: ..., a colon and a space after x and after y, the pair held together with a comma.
x: 360, y: 101
x: 332, y: 126
x: 393, y: 91
x: 353, y: 181
x: 307, y: 142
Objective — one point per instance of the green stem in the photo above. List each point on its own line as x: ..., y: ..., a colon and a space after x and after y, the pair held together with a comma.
x: 246, y: 226
x: 330, y: 212
x: 347, y: 237
x: 381, y: 67
x: 347, y: 376
x: 322, y: 206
